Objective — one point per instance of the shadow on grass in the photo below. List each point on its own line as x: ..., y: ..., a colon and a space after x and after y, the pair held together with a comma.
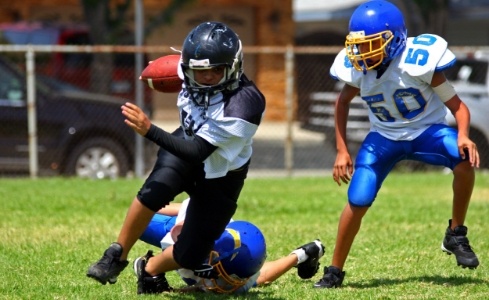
x: 255, y: 293
x: 438, y: 280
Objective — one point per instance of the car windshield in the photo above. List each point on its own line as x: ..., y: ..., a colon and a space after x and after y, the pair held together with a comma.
x: 56, y: 84
x: 13, y: 78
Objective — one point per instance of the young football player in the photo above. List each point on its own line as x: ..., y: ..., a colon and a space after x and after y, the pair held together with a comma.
x: 238, y: 256
x: 401, y: 80
x: 207, y: 157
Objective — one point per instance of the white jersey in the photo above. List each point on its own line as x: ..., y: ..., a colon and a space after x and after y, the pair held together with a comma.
x: 229, y: 123
x: 402, y: 103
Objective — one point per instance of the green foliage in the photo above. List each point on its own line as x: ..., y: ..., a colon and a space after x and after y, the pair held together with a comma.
x: 109, y: 23
x: 166, y: 16
x: 53, y: 229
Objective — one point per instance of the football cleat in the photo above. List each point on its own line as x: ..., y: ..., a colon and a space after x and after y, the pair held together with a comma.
x: 109, y: 266
x: 457, y: 243
x: 314, y: 251
x: 332, y: 278
x: 148, y: 284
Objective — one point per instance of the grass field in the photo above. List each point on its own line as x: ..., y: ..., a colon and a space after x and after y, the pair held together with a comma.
x: 52, y: 229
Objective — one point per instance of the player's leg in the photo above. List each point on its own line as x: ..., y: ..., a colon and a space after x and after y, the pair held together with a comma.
x: 170, y: 176
x: 438, y: 146
x: 157, y: 228
x: 203, y: 224
x: 456, y: 241
x: 376, y: 158
x: 463, y: 185
x: 209, y: 211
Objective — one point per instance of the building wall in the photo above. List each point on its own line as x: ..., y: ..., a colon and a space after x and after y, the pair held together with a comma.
x: 258, y: 22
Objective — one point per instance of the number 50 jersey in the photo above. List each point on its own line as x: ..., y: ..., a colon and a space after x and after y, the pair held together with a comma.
x: 402, y: 103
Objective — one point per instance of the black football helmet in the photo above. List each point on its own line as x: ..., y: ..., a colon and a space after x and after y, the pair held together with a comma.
x: 209, y: 45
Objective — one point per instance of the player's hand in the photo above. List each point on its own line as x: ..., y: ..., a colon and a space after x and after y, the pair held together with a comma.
x: 206, y: 271
x: 343, y: 168
x: 466, y: 145
x: 136, y: 118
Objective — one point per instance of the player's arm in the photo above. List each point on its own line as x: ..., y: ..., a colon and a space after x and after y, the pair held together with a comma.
x: 461, y: 114
x: 272, y: 270
x: 170, y: 210
x: 343, y: 166
x: 193, y: 151
x: 342, y: 107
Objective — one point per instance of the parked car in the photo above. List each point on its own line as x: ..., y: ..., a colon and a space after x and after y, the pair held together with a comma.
x: 78, y: 133
x: 75, y: 67
x: 469, y: 76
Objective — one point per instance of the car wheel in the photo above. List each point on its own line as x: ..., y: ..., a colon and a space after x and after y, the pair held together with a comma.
x: 97, y: 158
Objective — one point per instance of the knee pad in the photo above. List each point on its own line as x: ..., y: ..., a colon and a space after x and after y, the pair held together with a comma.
x: 363, y: 187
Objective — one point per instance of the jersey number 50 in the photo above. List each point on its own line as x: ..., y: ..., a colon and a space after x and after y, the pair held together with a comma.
x: 414, y: 56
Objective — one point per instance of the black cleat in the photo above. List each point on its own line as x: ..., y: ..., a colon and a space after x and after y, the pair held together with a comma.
x: 457, y: 243
x: 332, y: 278
x: 148, y: 284
x: 314, y: 251
x: 109, y: 266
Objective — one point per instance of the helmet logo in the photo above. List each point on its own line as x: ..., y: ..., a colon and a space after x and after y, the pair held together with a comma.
x: 356, y: 34
x: 197, y: 51
x: 237, y: 240
x: 202, y: 63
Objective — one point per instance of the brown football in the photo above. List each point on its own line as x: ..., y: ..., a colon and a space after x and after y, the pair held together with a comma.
x: 161, y: 74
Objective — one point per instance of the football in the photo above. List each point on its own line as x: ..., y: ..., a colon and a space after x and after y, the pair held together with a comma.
x: 161, y: 74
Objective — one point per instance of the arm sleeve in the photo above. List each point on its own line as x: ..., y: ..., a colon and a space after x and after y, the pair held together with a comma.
x: 193, y: 151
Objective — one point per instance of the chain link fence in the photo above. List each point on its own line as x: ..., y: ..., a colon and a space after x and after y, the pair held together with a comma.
x: 60, y: 110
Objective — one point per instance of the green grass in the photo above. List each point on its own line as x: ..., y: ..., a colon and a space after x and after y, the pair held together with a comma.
x: 52, y: 229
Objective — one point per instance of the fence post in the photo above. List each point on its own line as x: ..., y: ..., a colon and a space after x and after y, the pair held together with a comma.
x: 289, y: 107
x: 31, y: 113
x: 139, y: 166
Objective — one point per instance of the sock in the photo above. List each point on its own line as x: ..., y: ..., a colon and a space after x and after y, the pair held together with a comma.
x: 301, y: 255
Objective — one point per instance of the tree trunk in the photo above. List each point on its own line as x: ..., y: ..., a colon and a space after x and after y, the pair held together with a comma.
x: 101, y: 69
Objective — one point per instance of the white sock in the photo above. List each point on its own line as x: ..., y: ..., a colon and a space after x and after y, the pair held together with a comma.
x: 301, y: 255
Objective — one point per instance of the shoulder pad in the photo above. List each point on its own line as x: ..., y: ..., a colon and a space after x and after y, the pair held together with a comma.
x: 426, y: 54
x: 343, y: 70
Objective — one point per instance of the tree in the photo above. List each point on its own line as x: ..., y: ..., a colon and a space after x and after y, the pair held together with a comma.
x: 429, y: 15
x: 107, y: 21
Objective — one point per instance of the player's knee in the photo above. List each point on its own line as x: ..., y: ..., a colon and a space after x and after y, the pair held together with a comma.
x: 360, y: 198
x: 360, y: 202
x: 191, y: 256
x: 463, y: 168
x: 152, y: 204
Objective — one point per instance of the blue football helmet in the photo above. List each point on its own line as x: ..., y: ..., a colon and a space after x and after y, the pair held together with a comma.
x: 377, y: 35
x: 238, y: 254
